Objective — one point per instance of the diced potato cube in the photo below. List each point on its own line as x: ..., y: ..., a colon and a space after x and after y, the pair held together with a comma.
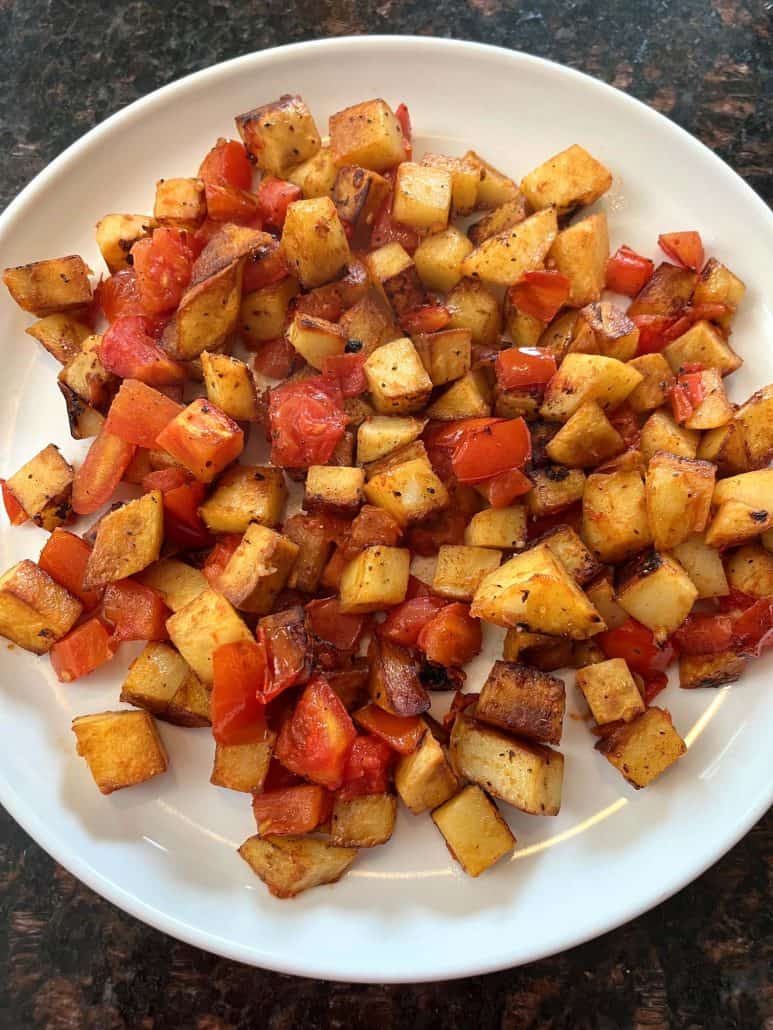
x: 290, y: 865
x: 523, y: 701
x: 314, y: 241
x: 358, y: 194
x: 494, y: 188
x: 263, y: 313
x: 121, y: 748
x: 43, y: 487
x: 207, y: 314
x: 376, y: 579
x: 644, y: 748
x: 715, y: 409
x: 566, y: 545
x: 710, y: 670
x: 614, y: 515
x: 517, y: 642
x: 447, y: 355
x: 46, y: 287
x: 397, y: 379
x: 525, y: 330
x: 180, y: 202
x: 703, y: 564
x: 557, y: 336
x: 61, y: 335
x: 505, y: 258
x: 230, y: 386
x: 501, y: 528
x: 754, y: 421
x: 474, y: 307
x: 527, y: 776
x: 658, y: 379
x: 315, y: 339
x: 335, y: 488
x: 657, y: 592
x: 439, y: 259
x: 476, y: 834
x: 580, y: 253
x: 117, y: 234
x: 465, y: 180
x: 587, y: 377
x: 611, y: 691
x: 35, y: 611
x: 661, y: 433
x: 203, y: 625
x: 468, y: 397
x: 555, y: 487
x: 603, y: 328
x: 315, y: 176
x: 162, y: 682
x: 586, y: 439
x: 279, y: 135
x: 424, y: 779
x: 177, y: 582
x: 245, y: 494
x: 363, y: 822
x: 258, y: 569
x: 752, y: 488
x: 678, y: 493
x: 534, y: 591
x: 703, y: 344
x: 602, y: 596
x: 367, y: 134
x: 243, y: 767
x: 667, y: 292
x: 422, y: 197
x: 750, y: 570
x: 567, y: 181
x: 394, y: 270
x: 511, y: 213
x: 84, y: 380
x: 128, y: 540
x: 409, y: 491
x: 718, y: 285
x: 379, y: 435
x: 736, y: 522
x: 460, y: 570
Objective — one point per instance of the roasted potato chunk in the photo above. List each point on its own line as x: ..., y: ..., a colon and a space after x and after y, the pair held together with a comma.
x: 180, y: 202
x: 335, y: 488
x: 586, y: 439
x: 263, y: 313
x: 495, y: 188
x: 409, y: 491
x: 501, y: 528
x: 162, y: 682
x: 279, y: 135
x: 602, y: 596
x: 43, y: 487
x: 376, y: 579
x: 380, y: 435
x: 505, y: 258
x: 245, y: 494
x: 447, y: 355
x: 567, y: 181
x: 61, y: 335
x: 317, y: 175
x: 367, y: 134
x: 230, y: 386
x: 422, y: 197
x: 555, y: 487
x: 678, y: 493
x: 203, y: 625
x: 177, y: 582
x: 358, y: 194
x: 121, y: 748
x: 117, y: 234
x: 207, y: 314
x: 315, y: 339
x: 474, y: 307
x: 363, y: 822
x: 602, y: 328
x: 290, y: 865
x: 667, y: 292
x: 752, y: 488
x: 718, y: 285
x: 35, y: 611
x: 750, y: 570
x: 614, y: 515
x: 460, y: 570
x: 424, y: 779
x: 397, y: 379
x: 566, y: 545
x: 657, y: 380
x: 611, y: 691
x: 314, y: 241
x: 393, y: 269
x: 439, y: 258
x: 736, y: 523
x: 128, y: 540
x: 661, y: 433
x: 754, y: 424
x: 580, y: 253
x: 46, y: 287
x: 703, y: 564
x: 523, y: 701
x: 715, y: 409
x: 465, y: 180
x: 476, y: 834
x: 85, y: 377
x: 243, y: 767
x: 657, y: 591
x: 702, y: 344
x: 710, y: 670
x: 587, y: 377
x: 511, y: 213
x: 258, y: 569
x: 643, y: 749
x: 468, y: 397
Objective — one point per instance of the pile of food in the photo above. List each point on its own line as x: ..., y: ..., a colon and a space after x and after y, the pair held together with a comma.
x: 445, y: 390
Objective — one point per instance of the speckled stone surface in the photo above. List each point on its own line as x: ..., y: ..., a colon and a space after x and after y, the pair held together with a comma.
x: 69, y: 959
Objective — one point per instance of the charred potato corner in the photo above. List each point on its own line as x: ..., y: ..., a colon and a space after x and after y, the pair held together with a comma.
x: 326, y: 362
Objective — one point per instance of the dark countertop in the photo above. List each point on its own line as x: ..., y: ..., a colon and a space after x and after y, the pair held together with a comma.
x: 68, y: 959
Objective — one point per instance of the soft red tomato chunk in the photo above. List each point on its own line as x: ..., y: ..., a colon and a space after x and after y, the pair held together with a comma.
x: 405, y: 622
x: 291, y: 810
x: 275, y: 358
x: 266, y: 267
x: 519, y: 368
x: 704, y: 634
x: 139, y: 413
x: 129, y: 350
x: 182, y: 523
x: 753, y: 628
x: 367, y: 768
x: 487, y: 452
x: 426, y: 538
x: 654, y: 683
x: 227, y: 164
x: 316, y: 740
x: 203, y: 438
x: 348, y: 370
x: 163, y: 264
x: 119, y: 295
x: 239, y: 670
x: 684, y: 247
x: 541, y: 294
x: 451, y: 637
x: 330, y: 624
x: 386, y: 230
x: 101, y: 472
x: 82, y: 651
x: 219, y: 557
x: 274, y: 197
x: 136, y: 611
x: 503, y: 489
x: 442, y: 438
x: 401, y: 732
x: 306, y: 422
x: 227, y: 204
x: 429, y: 318
x: 628, y: 272
x: 64, y: 557
x: 636, y: 644
x: 652, y: 332
x: 17, y: 516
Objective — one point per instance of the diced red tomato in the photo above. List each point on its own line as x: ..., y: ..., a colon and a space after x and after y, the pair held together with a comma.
x: 417, y: 588
x: 348, y: 370
x: 306, y: 420
x: 735, y: 602
x: 442, y: 438
x: 403, y: 116
x: 636, y: 644
x: 753, y: 628
x: 386, y: 230
x: 459, y: 703
x: 265, y: 268
x: 139, y: 413
x: 64, y: 557
x: 275, y: 358
x: 239, y: 671
x: 627, y: 425
x: 405, y: 622
x: 425, y: 538
x: 429, y: 318
x: 338, y: 628
x: 136, y: 611
x: 541, y: 293
x: 274, y: 197
x: 316, y: 740
x: 291, y: 810
x: 369, y: 527
x: 219, y: 557
x: 227, y: 176
x: 691, y: 381
x: 654, y: 683
x: 652, y: 329
x: 203, y: 438
x: 129, y: 350
x: 83, y: 650
x: 704, y: 634
x: 498, y: 448
x: 17, y: 516
x: 503, y: 489
x: 451, y: 637
x: 401, y: 732
x: 101, y: 472
x: 367, y: 768
x: 166, y: 479
x: 628, y: 272
x: 680, y: 404
x: 684, y: 247
x: 519, y: 368
x: 686, y: 395
x: 182, y: 523
x: 278, y: 777
x: 119, y: 295
x: 163, y: 264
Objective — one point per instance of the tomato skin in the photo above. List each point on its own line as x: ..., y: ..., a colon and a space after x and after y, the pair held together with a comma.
x: 129, y: 350
x: 369, y: 527
x: 239, y: 668
x: 628, y: 272
x: 429, y: 318
x: 335, y: 627
x: 139, y: 413
x: 386, y: 230
x: 64, y: 557
x: 442, y: 438
x: 518, y: 368
x: 484, y: 453
x: 686, y: 248
x: 275, y: 358
x: 402, y: 733
x: 636, y: 644
x: 119, y: 295
x: 266, y: 267
x: 451, y: 637
x: 541, y: 294
x: 503, y: 489
x: 348, y: 370
x: 459, y: 703
x: 367, y: 768
x: 306, y: 422
x: 291, y: 810
x: 182, y: 523
x: 405, y: 622
x: 316, y: 740
x: 273, y: 199
x: 17, y: 516
x: 753, y: 628
x: 219, y: 557
x: 227, y: 164
x: 203, y: 438
x: 704, y: 634
x: 101, y: 472
x: 136, y: 611
x: 83, y: 650
x: 163, y: 263
x: 652, y: 330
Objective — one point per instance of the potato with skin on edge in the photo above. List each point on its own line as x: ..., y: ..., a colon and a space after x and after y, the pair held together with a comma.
x: 523, y: 701
x: 566, y: 181
x: 290, y: 865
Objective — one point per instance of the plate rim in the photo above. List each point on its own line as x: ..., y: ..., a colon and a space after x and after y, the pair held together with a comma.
x: 58, y: 847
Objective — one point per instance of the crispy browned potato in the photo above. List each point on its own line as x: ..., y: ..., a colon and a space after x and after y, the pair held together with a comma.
x: 656, y: 590
x: 363, y: 822
x: 611, y: 691
x: 367, y: 134
x: 230, y: 386
x: 128, y: 540
x: 314, y: 241
x: 643, y: 749
x: 424, y: 779
x: 180, y: 202
x: 120, y: 748
x: 245, y: 494
x: 476, y: 834
x: 289, y: 865
x: 203, y: 625
x: 117, y: 234
x: 161, y: 681
x: 393, y: 681
x: 710, y: 670
x: 35, y: 611
x: 566, y: 181
x: 47, y: 287
x: 678, y: 494
x: 61, y: 335
x: 243, y: 767
x: 614, y: 515
x: 523, y: 701
x: 43, y: 487
x: 279, y: 135
x: 258, y: 569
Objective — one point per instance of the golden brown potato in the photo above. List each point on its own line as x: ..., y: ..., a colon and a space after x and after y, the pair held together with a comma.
x: 422, y: 197
x: 644, y: 748
x: 736, y: 522
x: 501, y: 528
x: 611, y: 691
x: 476, y: 834
x: 61, y: 335
x: 258, y: 569
x: 439, y: 258
x: 465, y: 180
x: 263, y: 313
x: 279, y: 135
x: 128, y: 540
x: 710, y: 670
x: 376, y: 579
x: 424, y: 779
x: 703, y: 344
x: 474, y: 307
x: 367, y: 134
x: 447, y: 355
x: 35, y: 611
x: 380, y: 435
x: 752, y: 488
x: 180, y: 202
x: 603, y: 328
x: 657, y: 380
x: 162, y: 682
x: 203, y: 625
x: 715, y: 409
x: 289, y: 865
x: 565, y: 544
x: 567, y: 181
x: 494, y: 188
x: 468, y: 397
x: 678, y: 494
x: 754, y: 423
x: 614, y: 515
x: 46, y: 287
x: 363, y: 822
x: 317, y: 175
x: 518, y: 643
x: 661, y: 433
x: 230, y: 386
x: 586, y: 439
x: 667, y: 292
x: 511, y: 213
x: 84, y: 380
x: 460, y: 570
x: 602, y: 596
x: 587, y: 377
x: 245, y: 494
x: 117, y: 234
x: 503, y: 259
x: 409, y: 491
x: 718, y: 285
x: 314, y: 241
x: 557, y: 337
x: 177, y: 582
x: 703, y: 564
x: 121, y: 748
x: 370, y: 322
x: 523, y: 701
x: 315, y: 339
x: 207, y: 314
x: 750, y: 570
x: 580, y: 253
x: 657, y: 592
x: 43, y: 488
x: 397, y: 380
x: 334, y: 488
x: 243, y: 767
x: 358, y: 194
x: 555, y: 487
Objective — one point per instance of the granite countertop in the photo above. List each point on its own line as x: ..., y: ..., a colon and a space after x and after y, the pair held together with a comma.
x: 68, y: 959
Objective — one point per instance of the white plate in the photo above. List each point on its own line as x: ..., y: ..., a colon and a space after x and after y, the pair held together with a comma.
x: 165, y: 851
